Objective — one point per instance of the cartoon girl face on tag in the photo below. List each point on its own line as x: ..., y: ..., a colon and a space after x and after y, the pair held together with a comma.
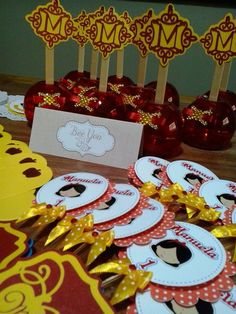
x: 73, y: 190
x: 188, y: 174
x: 124, y: 199
x: 219, y: 194
x: 172, y: 252
x: 149, y: 169
x: 173, y: 257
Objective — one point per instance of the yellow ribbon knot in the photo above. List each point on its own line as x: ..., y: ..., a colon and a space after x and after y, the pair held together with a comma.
x: 68, y: 223
x: 133, y: 279
x: 227, y: 231
x: 47, y: 214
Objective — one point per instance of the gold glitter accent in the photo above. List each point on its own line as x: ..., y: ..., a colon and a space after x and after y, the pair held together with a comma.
x: 115, y: 87
x: 85, y: 100
x: 129, y: 100
x: 49, y: 99
x: 146, y: 118
x: 198, y: 114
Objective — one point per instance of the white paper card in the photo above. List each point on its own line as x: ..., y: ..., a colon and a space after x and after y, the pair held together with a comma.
x: 99, y: 140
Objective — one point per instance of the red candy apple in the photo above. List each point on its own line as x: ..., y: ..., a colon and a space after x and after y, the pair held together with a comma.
x: 162, y: 129
x: 208, y: 124
x: 227, y: 96
x: 171, y: 93
x: 76, y: 76
x: 45, y: 96
x: 124, y: 80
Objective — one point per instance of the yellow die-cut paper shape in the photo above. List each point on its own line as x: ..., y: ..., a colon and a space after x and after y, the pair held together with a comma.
x: 25, y: 177
x: 51, y: 23
x: 219, y: 41
x: 22, y: 158
x: 109, y: 32
x: 14, y: 206
x: 168, y: 35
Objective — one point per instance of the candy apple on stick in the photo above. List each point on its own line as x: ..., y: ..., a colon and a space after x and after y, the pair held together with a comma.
x: 53, y: 25
x: 104, y: 33
x: 209, y: 123
x: 166, y: 35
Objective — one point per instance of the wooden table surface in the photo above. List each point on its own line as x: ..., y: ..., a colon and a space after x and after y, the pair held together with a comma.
x: 222, y: 163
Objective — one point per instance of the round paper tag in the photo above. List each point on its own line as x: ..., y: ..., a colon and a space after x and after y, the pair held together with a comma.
x: 145, y: 304
x: 148, y: 169
x: 219, y: 194
x: 16, y: 104
x: 188, y: 174
x: 73, y: 190
x: 149, y: 218
x: 187, y: 256
x: 124, y: 198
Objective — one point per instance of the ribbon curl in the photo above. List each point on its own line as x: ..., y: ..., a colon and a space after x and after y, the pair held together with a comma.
x: 133, y: 279
x: 227, y: 231
x: 70, y: 223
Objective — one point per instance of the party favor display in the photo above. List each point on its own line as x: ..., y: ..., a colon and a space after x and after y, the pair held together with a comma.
x: 172, y: 259
x: 53, y: 25
x: 208, y: 122
x: 49, y: 283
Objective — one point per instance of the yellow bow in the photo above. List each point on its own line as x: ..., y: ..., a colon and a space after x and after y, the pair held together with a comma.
x: 77, y: 226
x: 175, y: 193
x: 134, y: 279
x: 101, y: 242
x: 227, y: 231
x: 47, y: 214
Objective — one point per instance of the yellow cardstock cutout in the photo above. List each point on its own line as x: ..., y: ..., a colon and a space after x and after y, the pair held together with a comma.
x: 80, y: 35
x: 51, y: 23
x: 13, y: 207
x: 109, y: 32
x: 22, y: 158
x: 13, y: 147
x: 19, y: 244
x: 39, y: 280
x: 4, y: 137
x: 23, y: 178
x: 168, y: 35
x: 219, y: 41
x: 137, y: 26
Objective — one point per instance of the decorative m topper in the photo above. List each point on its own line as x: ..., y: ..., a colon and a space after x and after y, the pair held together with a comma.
x: 52, y: 23
x: 168, y: 35
x: 220, y: 40
x: 110, y: 32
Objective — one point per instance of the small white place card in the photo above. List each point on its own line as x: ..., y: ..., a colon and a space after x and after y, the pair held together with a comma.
x: 99, y: 140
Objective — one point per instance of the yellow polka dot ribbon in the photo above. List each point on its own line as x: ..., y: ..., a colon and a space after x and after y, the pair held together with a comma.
x: 47, y: 214
x: 70, y: 223
x: 194, y: 205
x: 227, y: 231
x: 133, y: 279
x: 101, y: 242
